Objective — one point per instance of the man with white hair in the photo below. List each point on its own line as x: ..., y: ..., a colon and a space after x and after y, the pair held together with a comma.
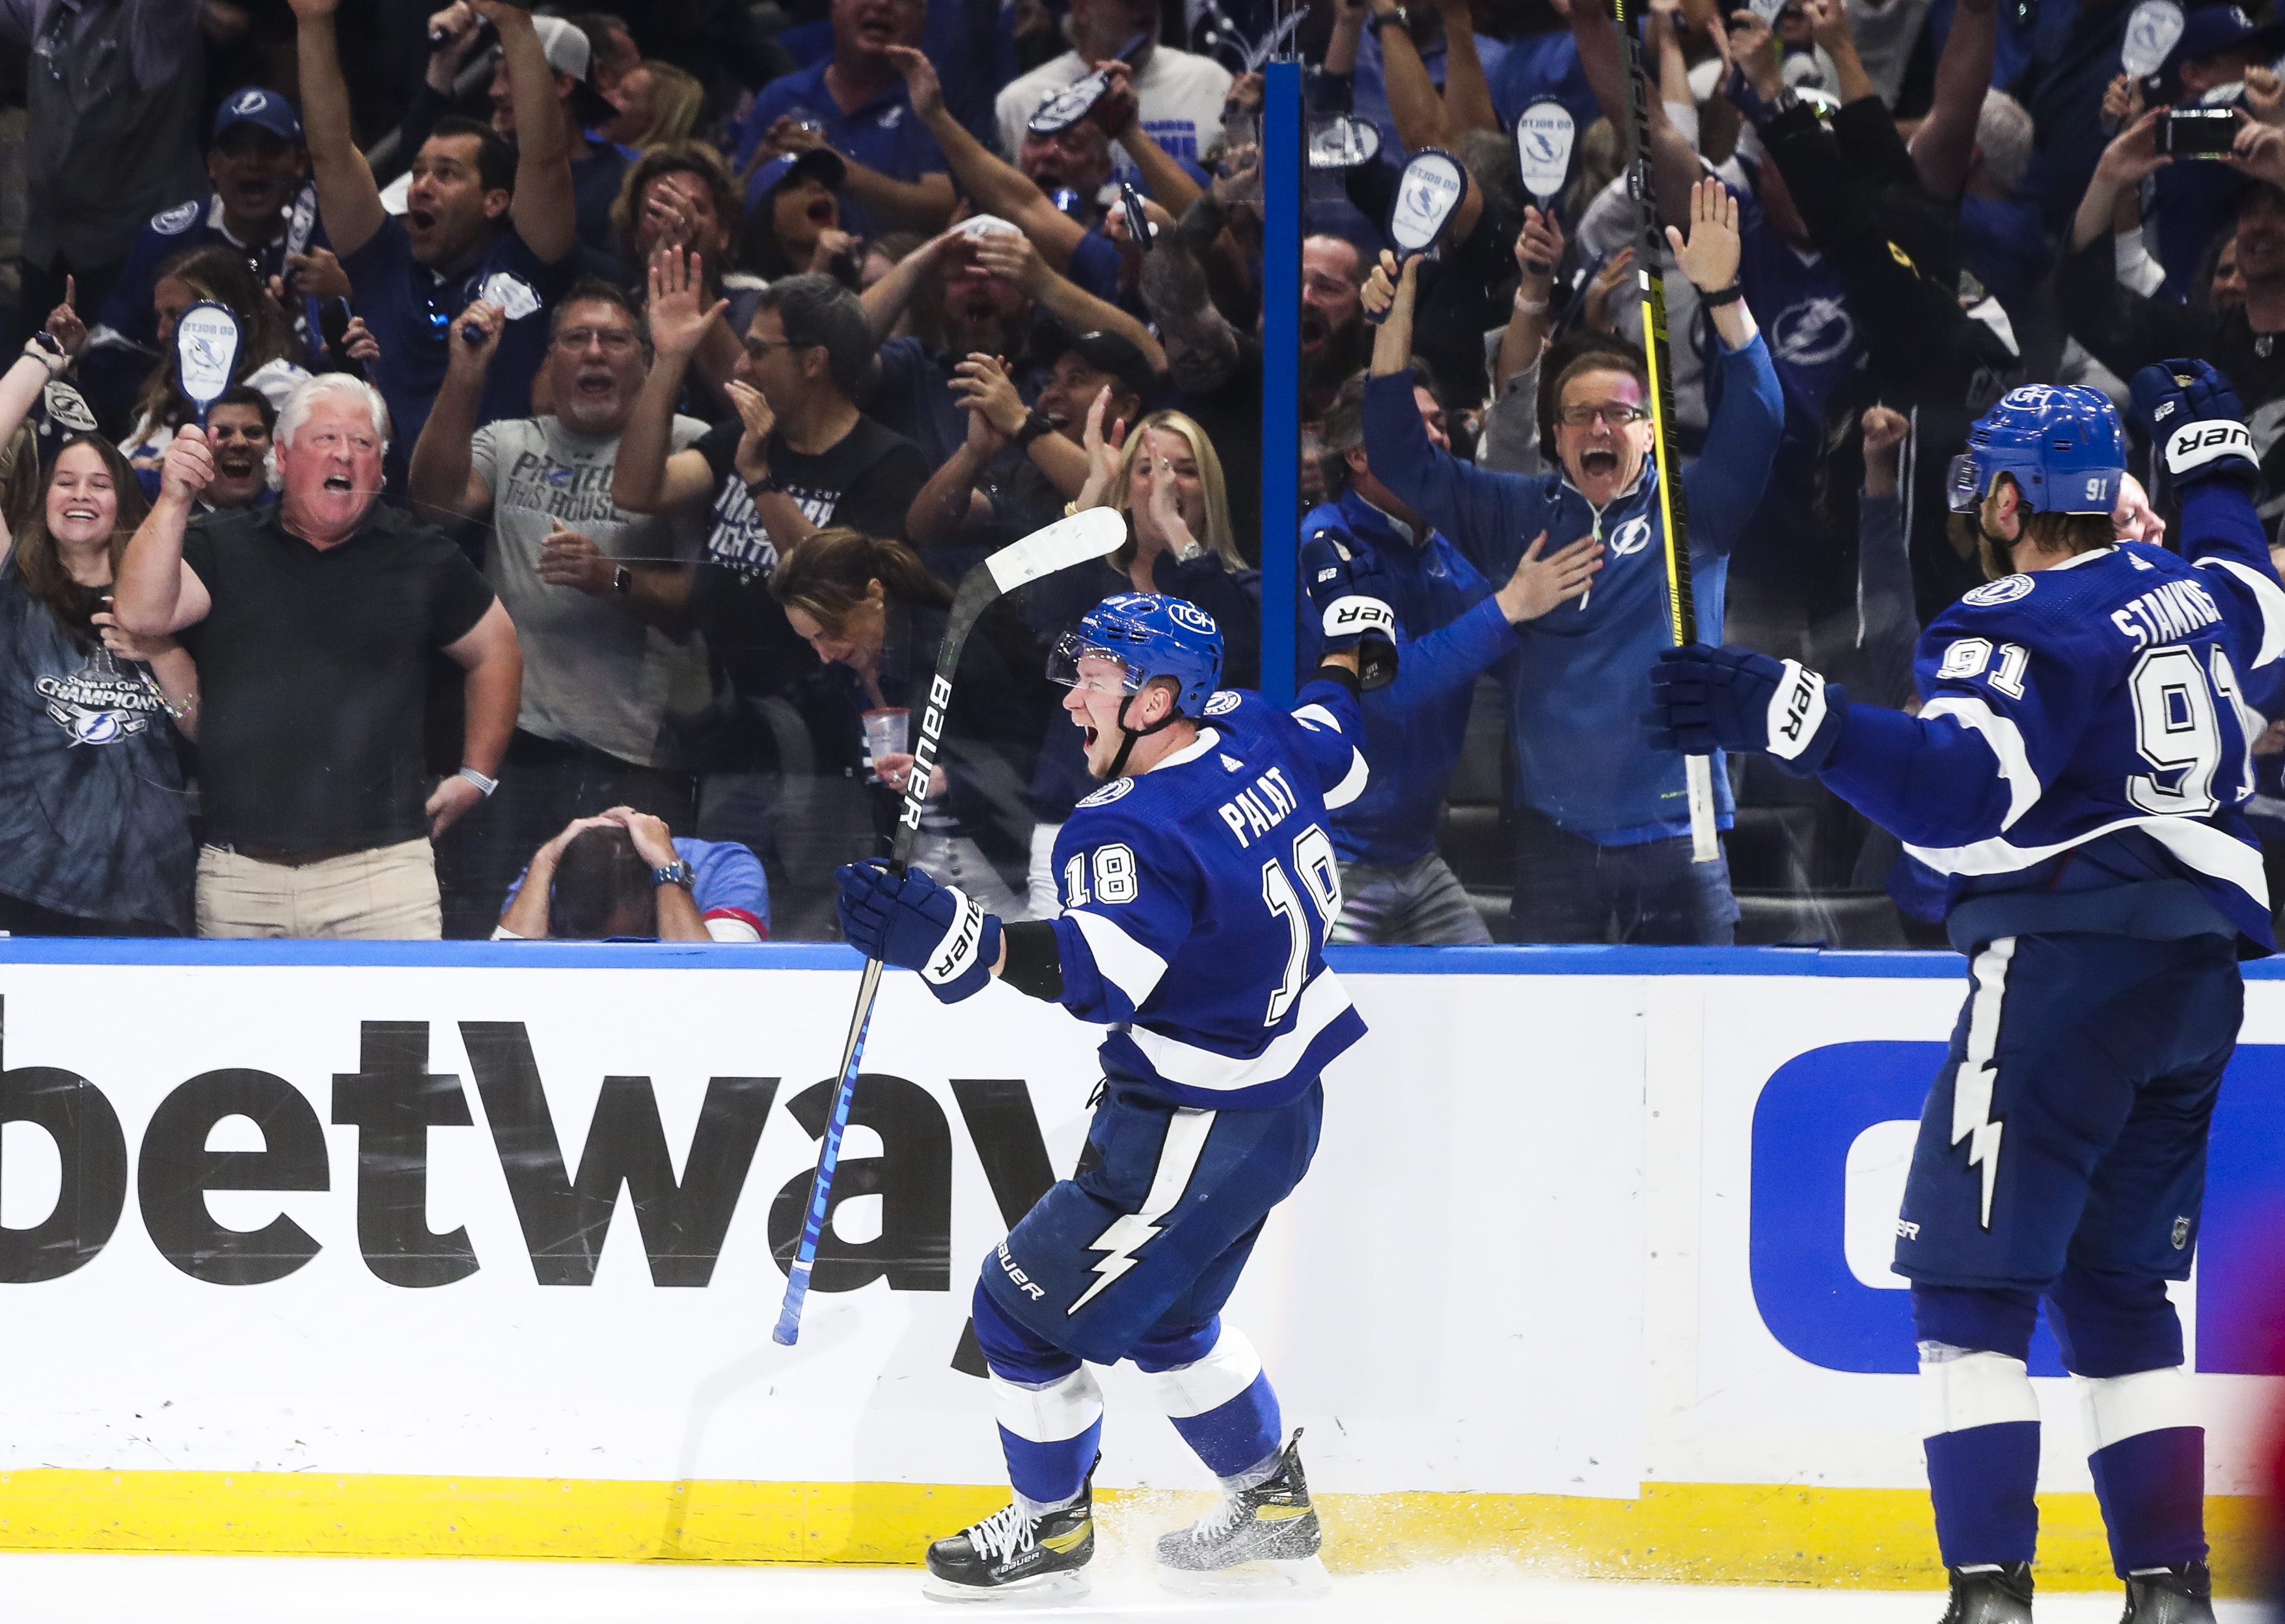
x: 315, y: 620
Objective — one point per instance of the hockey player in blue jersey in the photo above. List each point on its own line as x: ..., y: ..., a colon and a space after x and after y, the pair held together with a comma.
x: 1198, y: 885
x: 2074, y: 774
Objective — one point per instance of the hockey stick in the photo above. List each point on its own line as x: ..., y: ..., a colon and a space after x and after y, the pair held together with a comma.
x: 1089, y: 535
x: 1650, y: 245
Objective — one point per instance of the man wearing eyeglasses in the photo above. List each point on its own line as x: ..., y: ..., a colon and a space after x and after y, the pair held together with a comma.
x: 1603, y: 850
x: 483, y: 221
x: 597, y: 591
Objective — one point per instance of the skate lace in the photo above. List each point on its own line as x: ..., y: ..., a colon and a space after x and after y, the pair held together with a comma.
x: 1220, y: 1521
x: 1003, y: 1534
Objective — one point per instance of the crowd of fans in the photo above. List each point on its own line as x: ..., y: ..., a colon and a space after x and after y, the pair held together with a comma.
x: 619, y: 397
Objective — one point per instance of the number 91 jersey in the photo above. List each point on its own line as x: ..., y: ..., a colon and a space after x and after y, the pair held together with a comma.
x: 2111, y: 689
x: 1197, y: 897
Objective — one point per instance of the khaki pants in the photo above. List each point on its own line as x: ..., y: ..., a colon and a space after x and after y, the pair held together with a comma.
x: 386, y: 894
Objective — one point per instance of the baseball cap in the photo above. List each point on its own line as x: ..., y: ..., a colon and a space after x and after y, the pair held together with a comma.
x: 266, y: 109
x: 569, y: 52
x: 822, y: 162
x: 1109, y: 352
x: 2208, y: 30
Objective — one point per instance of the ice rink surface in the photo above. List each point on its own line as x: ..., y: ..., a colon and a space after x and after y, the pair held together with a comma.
x: 148, y: 1589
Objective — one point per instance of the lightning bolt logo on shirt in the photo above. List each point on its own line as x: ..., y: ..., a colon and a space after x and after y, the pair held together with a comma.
x: 1972, y: 1084
x: 1187, y: 1131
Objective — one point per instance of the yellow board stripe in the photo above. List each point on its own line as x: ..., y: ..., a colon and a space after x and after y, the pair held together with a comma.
x: 1697, y: 1533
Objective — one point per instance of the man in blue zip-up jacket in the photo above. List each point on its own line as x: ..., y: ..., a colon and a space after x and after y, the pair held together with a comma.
x: 1604, y: 845
x: 1451, y: 624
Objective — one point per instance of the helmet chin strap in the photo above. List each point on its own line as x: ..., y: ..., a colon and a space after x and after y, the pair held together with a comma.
x: 1119, y: 762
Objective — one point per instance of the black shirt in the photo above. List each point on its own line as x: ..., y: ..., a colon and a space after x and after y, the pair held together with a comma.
x: 313, y: 670
x: 865, y: 479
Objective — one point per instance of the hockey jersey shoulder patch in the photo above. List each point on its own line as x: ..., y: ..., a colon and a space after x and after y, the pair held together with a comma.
x: 174, y: 221
x: 1224, y: 702
x: 2007, y: 589
x: 1117, y: 789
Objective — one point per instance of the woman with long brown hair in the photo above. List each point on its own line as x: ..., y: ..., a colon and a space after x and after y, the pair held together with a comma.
x: 265, y: 348
x: 877, y: 617
x: 94, y: 830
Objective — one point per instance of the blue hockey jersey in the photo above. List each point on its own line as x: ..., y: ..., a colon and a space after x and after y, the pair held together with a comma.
x: 2084, y: 744
x: 1197, y: 901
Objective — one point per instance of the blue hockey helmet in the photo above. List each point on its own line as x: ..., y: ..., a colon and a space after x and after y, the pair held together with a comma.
x: 1153, y: 636
x: 2060, y: 445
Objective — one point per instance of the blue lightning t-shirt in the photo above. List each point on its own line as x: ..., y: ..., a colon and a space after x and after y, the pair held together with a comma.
x: 1197, y: 897
x: 2085, y: 742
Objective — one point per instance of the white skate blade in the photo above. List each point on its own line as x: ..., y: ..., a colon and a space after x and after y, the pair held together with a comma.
x: 1300, y: 1579
x: 1044, y: 1591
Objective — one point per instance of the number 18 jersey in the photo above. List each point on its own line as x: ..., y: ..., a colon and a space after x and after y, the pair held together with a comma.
x: 2112, y: 693
x: 1197, y: 897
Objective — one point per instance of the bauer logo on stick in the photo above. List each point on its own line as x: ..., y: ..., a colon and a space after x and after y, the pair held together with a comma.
x: 206, y: 353
x: 1543, y: 134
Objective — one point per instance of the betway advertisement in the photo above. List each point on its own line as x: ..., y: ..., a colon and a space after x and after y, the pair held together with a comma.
x: 1581, y: 1220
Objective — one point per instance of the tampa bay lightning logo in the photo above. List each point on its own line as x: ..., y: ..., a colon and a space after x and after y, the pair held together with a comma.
x: 1630, y: 538
x: 2007, y: 589
x: 1113, y: 790
x: 559, y: 476
x: 1224, y: 702
x: 1812, y: 333
x: 173, y: 222
x: 1189, y: 615
x: 251, y: 101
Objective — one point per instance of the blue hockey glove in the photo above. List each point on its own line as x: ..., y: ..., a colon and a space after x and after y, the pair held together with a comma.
x: 911, y: 922
x: 1345, y: 583
x: 2195, y: 424
x: 1704, y: 699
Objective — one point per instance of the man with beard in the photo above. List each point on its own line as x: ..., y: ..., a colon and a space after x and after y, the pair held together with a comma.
x: 238, y: 432
x: 995, y: 289
x: 262, y: 204
x: 1180, y: 94
x: 593, y: 589
x: 482, y: 222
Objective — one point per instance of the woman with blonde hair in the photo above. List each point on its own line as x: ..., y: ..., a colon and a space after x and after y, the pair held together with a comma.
x: 1166, y: 478
x: 877, y: 617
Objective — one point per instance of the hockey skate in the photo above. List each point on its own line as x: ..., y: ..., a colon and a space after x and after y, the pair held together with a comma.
x: 1014, y: 1559
x: 1989, y: 1593
x: 1262, y: 1539
x: 2180, y: 1595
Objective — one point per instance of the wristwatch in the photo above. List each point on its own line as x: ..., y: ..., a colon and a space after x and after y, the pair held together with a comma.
x: 623, y: 580
x: 763, y: 486
x: 676, y: 873
x: 485, y: 784
x: 1034, y: 425
x: 1374, y: 21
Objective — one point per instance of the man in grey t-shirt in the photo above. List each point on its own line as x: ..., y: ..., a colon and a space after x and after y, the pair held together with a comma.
x: 597, y: 593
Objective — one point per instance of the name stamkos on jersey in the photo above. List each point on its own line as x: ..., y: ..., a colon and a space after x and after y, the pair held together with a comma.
x: 1113, y: 790
x: 1258, y: 808
x: 2167, y: 612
